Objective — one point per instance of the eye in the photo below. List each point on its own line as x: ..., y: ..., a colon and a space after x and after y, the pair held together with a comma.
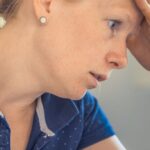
x: 114, y: 24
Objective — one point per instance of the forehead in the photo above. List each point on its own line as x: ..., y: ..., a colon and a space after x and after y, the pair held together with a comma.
x: 122, y: 7
x: 118, y: 3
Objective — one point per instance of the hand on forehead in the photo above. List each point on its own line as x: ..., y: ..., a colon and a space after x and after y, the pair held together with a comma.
x: 144, y: 6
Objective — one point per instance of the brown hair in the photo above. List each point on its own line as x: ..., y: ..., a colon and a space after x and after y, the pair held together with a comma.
x: 8, y: 8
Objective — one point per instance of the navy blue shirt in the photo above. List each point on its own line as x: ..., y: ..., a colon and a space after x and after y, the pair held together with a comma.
x: 63, y: 124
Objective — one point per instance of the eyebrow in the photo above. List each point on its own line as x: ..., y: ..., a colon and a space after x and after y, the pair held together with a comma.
x: 129, y: 19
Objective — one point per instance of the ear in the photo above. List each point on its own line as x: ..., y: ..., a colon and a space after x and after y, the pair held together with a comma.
x: 41, y: 7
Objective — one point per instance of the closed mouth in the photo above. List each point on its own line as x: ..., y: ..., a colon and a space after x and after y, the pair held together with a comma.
x: 99, y: 77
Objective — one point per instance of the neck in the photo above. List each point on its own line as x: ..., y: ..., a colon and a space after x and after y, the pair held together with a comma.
x: 19, y: 85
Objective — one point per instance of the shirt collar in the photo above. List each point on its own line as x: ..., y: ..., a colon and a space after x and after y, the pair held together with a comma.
x: 54, y: 113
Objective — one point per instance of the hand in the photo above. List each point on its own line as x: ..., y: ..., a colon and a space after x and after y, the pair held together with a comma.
x: 139, y: 44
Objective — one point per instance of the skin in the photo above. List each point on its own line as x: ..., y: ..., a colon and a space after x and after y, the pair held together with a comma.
x: 139, y: 42
x: 58, y: 56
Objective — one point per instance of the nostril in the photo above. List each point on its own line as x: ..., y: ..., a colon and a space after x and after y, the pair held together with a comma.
x: 114, y: 64
x: 116, y: 60
x: 118, y: 63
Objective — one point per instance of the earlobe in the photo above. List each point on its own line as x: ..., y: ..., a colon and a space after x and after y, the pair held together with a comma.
x: 41, y: 8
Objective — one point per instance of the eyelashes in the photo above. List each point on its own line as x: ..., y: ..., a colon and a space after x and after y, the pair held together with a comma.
x: 114, y: 24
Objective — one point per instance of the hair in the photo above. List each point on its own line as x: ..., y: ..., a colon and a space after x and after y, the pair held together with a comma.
x: 8, y: 8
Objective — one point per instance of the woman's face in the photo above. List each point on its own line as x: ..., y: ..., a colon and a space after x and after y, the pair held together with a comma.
x: 84, y: 37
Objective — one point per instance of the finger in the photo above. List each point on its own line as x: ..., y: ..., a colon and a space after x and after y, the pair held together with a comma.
x: 144, y: 6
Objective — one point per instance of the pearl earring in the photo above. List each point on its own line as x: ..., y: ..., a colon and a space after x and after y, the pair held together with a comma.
x: 2, y: 22
x: 43, y: 20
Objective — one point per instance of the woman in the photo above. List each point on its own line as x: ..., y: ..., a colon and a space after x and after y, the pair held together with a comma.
x: 52, y: 52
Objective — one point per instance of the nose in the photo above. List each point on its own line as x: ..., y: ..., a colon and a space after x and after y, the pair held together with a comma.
x: 117, y: 59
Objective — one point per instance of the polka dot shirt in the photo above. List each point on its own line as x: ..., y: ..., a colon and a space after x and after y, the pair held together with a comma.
x: 63, y: 124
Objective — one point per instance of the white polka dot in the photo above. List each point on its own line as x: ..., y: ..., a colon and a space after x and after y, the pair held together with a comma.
x: 58, y: 138
x: 70, y: 136
x: 65, y: 144
x: 45, y: 136
x: 53, y: 145
x: 75, y: 128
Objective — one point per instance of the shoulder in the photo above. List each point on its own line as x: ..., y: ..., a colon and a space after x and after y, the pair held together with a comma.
x: 96, y: 124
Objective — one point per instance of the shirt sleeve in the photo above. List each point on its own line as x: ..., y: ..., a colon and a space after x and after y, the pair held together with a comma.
x: 96, y: 124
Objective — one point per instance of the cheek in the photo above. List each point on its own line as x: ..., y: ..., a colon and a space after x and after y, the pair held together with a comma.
x: 69, y: 48
x: 91, y: 38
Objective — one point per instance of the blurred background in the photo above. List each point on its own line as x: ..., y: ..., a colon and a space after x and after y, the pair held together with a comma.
x: 125, y: 98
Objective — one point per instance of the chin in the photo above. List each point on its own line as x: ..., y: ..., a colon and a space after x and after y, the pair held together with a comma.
x: 76, y: 95
x: 71, y: 93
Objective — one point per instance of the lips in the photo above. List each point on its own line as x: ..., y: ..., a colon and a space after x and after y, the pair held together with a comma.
x: 99, y: 77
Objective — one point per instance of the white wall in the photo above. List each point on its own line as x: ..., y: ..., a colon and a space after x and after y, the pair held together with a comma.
x: 125, y: 98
